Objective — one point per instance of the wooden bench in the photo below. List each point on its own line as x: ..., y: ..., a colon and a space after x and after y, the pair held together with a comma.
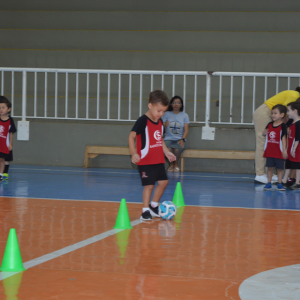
x: 216, y: 154
x: 94, y: 151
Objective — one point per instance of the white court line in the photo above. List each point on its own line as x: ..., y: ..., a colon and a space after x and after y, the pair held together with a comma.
x: 131, y: 202
x: 39, y: 260
x: 281, y: 284
x: 90, y: 171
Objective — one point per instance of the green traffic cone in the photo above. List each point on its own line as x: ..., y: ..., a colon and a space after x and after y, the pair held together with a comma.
x: 11, y: 286
x: 178, y: 217
x: 178, y: 196
x: 123, y: 221
x: 12, y: 260
x: 122, y: 242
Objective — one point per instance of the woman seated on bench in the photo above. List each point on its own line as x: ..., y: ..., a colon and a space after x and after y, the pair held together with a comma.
x: 176, y: 124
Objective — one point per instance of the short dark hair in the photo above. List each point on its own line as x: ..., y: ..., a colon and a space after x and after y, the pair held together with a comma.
x: 297, y: 89
x: 282, y: 109
x: 6, y: 101
x: 170, y: 108
x: 159, y: 96
x: 295, y: 106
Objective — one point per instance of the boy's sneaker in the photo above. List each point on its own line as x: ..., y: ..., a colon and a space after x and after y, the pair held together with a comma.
x: 261, y: 179
x: 280, y: 187
x: 154, y: 211
x: 268, y: 186
x: 146, y: 216
x: 5, y: 176
x: 290, y: 182
x: 295, y: 186
x: 1, y: 178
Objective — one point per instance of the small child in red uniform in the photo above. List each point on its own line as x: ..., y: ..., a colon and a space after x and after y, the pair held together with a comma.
x: 7, y: 129
x: 293, y: 161
x: 150, y: 151
x: 275, y: 146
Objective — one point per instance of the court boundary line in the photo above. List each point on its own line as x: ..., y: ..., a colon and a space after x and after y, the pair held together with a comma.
x: 191, y: 205
x: 254, y: 282
x: 110, y: 172
x: 57, y: 253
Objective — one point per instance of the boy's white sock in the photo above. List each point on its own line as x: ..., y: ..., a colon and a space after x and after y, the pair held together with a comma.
x: 145, y: 209
x: 1, y: 174
x: 154, y: 204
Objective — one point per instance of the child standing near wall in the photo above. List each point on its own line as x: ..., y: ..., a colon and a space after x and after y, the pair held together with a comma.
x: 292, y: 177
x: 275, y: 146
x: 7, y: 129
x: 293, y: 161
x: 149, y: 152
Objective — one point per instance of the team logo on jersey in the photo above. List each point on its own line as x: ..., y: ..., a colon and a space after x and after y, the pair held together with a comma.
x: 272, y: 134
x: 157, y: 135
x: 1, y: 131
x: 144, y: 175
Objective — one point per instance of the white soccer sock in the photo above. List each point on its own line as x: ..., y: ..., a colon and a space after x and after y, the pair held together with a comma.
x: 145, y: 209
x: 154, y: 204
x: 1, y: 174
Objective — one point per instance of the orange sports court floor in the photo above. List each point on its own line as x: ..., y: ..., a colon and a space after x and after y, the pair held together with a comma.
x: 232, y: 241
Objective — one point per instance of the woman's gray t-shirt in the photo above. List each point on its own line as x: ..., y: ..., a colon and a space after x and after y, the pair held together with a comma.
x: 174, y: 131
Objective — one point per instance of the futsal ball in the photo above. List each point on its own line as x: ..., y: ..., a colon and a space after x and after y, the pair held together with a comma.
x: 167, y: 210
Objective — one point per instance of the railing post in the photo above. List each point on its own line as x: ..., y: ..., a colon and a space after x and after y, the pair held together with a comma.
x: 24, y: 92
x: 207, y: 100
x: 208, y: 133
x: 23, y: 126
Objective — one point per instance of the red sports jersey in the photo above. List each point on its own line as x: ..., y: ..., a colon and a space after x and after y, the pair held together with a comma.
x: 5, y: 128
x: 273, y: 145
x: 293, y: 137
x: 149, y: 142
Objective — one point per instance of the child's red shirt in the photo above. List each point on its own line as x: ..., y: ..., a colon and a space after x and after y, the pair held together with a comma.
x: 149, y: 141
x: 273, y: 145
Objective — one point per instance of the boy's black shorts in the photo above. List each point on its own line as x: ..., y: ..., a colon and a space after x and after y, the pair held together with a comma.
x: 7, y: 157
x: 151, y: 173
x: 275, y: 162
x: 292, y: 165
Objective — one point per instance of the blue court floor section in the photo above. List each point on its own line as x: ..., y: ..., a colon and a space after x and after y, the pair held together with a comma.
x: 200, y: 189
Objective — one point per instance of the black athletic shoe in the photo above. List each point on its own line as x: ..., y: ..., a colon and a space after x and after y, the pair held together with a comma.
x: 290, y: 182
x: 285, y: 185
x: 1, y: 178
x: 146, y: 216
x: 295, y: 186
x: 154, y: 211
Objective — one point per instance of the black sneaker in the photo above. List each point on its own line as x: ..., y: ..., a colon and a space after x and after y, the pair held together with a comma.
x: 146, y: 216
x: 285, y: 185
x: 290, y: 182
x: 1, y: 178
x: 154, y: 211
x: 295, y: 186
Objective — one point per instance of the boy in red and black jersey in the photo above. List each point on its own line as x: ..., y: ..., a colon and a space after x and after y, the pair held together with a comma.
x: 7, y: 129
x: 150, y: 151
x: 275, y: 146
x: 293, y: 151
x: 292, y: 177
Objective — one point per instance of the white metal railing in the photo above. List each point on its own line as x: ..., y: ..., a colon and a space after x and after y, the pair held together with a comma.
x: 292, y: 80
x: 121, y: 95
